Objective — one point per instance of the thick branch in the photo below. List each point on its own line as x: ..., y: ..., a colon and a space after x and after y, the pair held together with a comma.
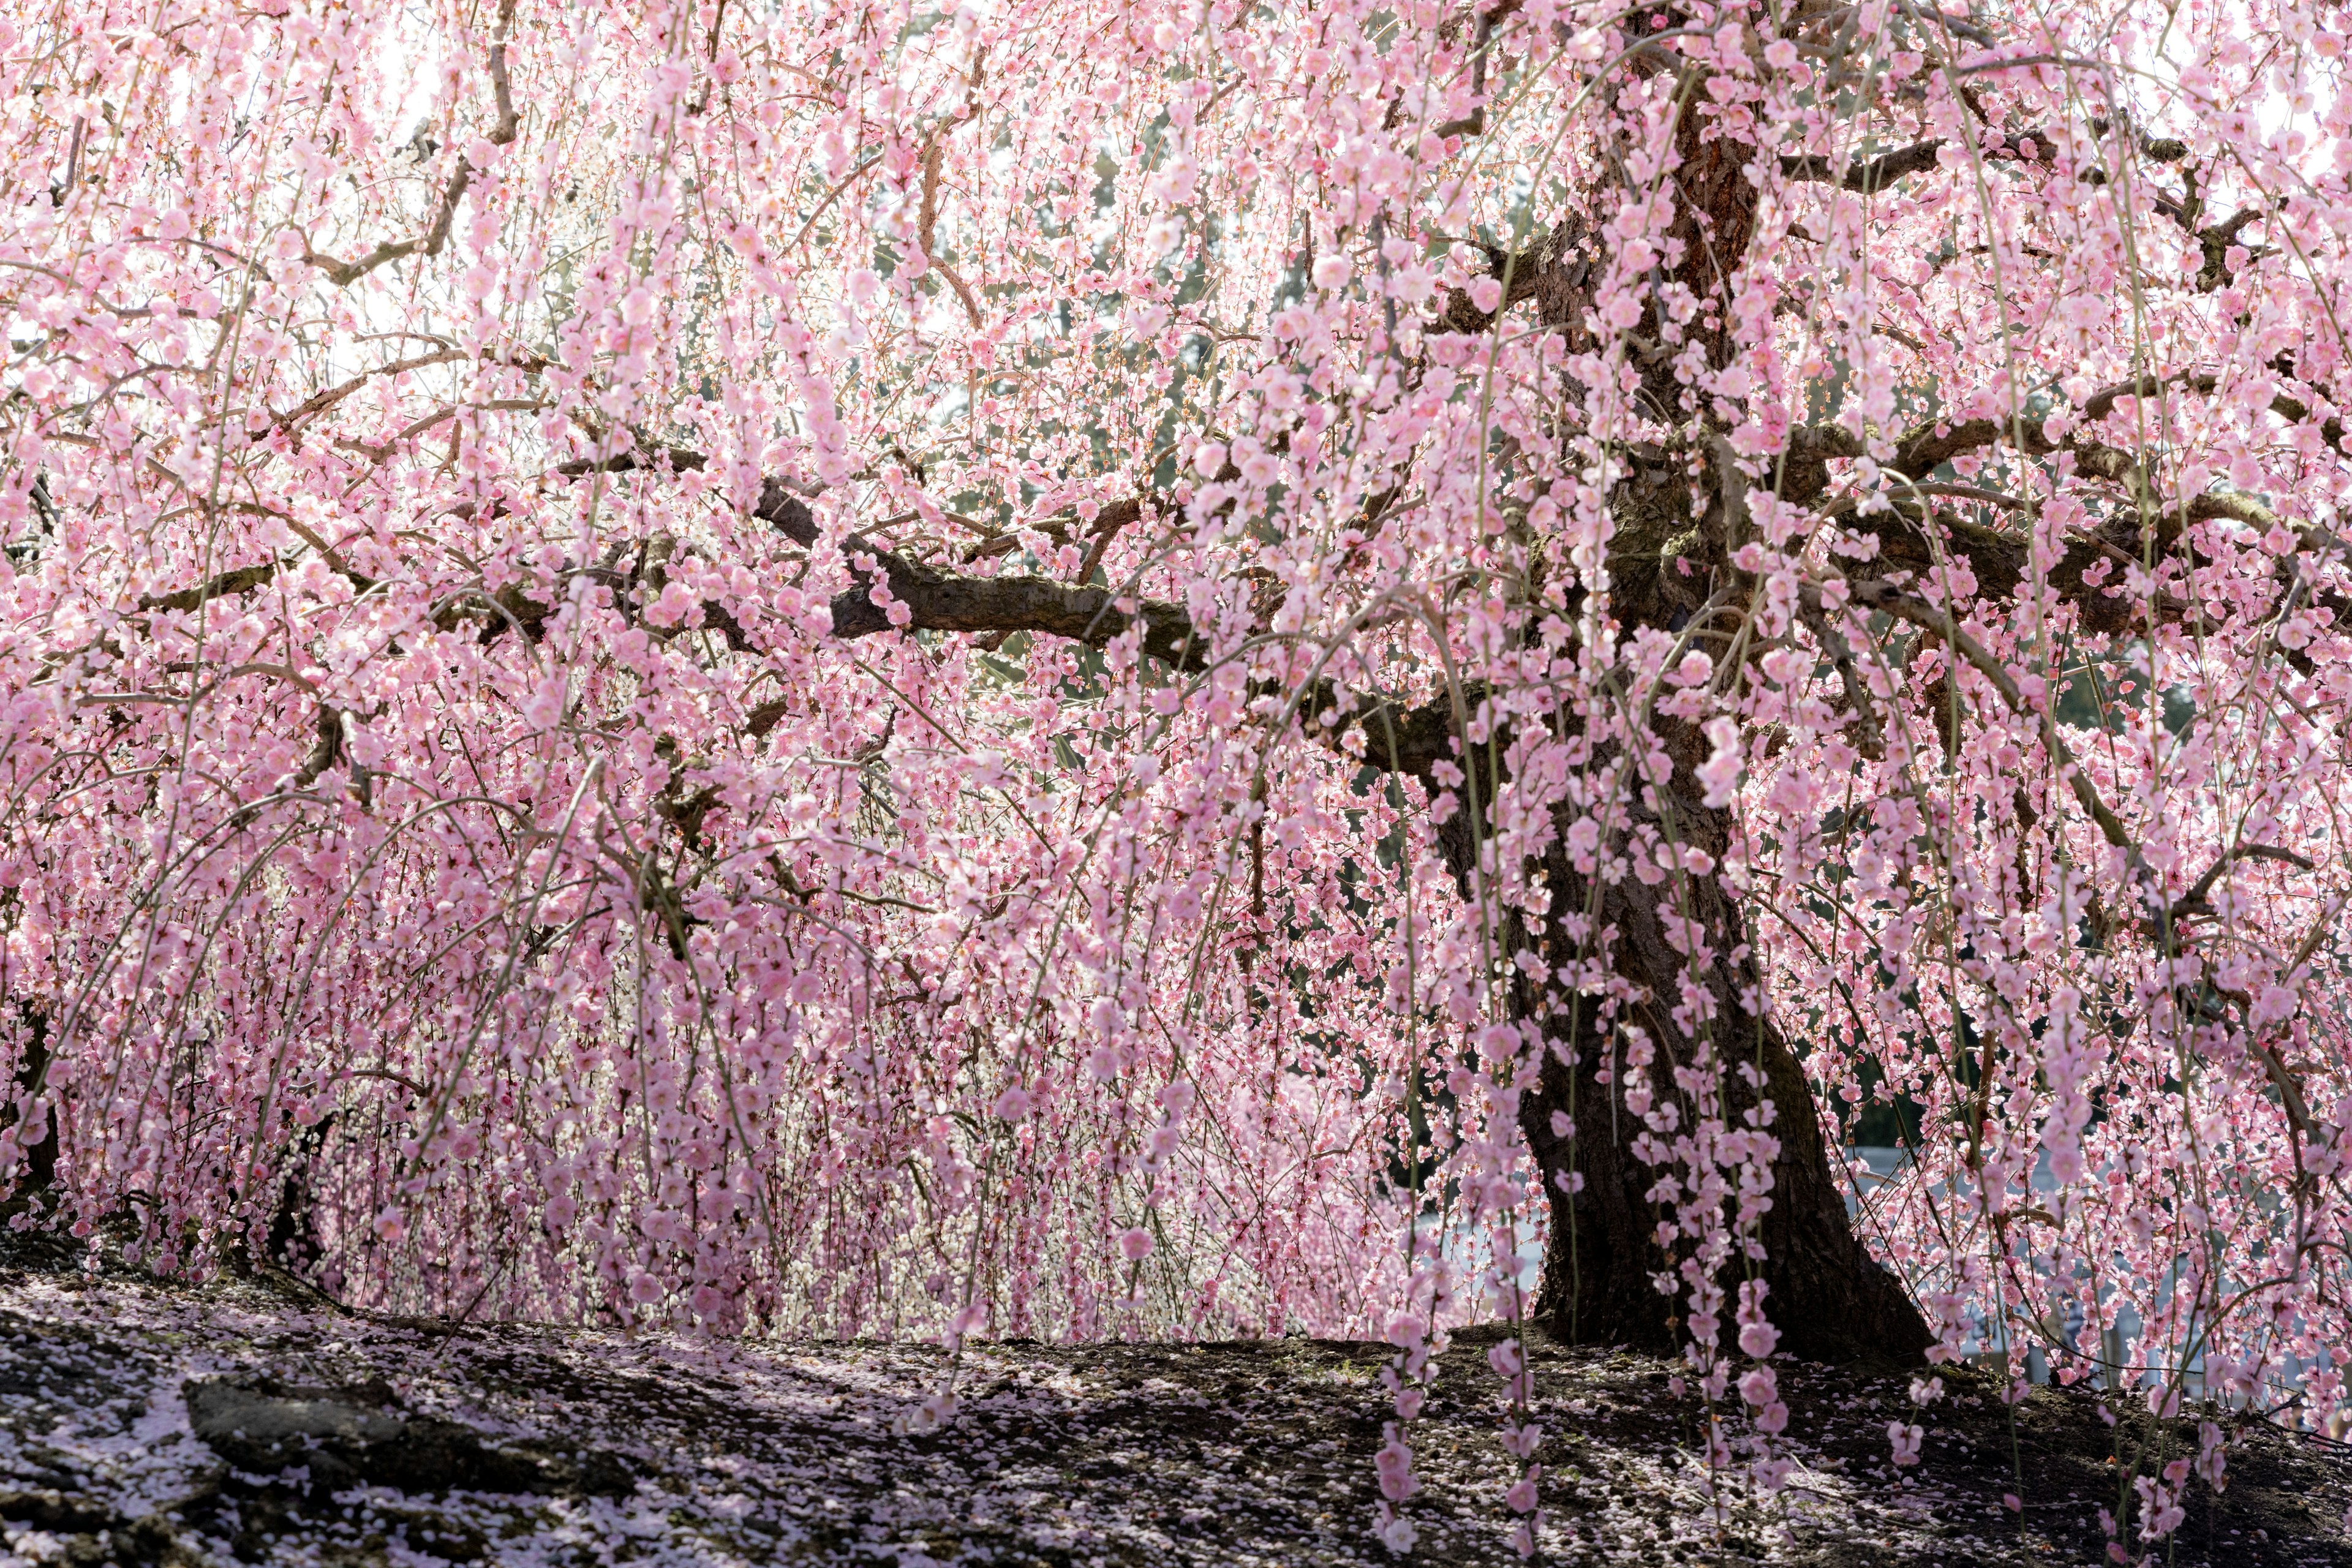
x: 1999, y: 560
x: 329, y: 746
x: 953, y: 602
x: 1396, y: 738
x: 237, y: 580
x: 1877, y: 174
x: 1871, y: 174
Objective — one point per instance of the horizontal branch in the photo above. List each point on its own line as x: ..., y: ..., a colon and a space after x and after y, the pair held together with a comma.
x: 2000, y: 560
x: 1868, y: 175
x: 237, y: 580
x: 957, y: 602
x: 1877, y: 174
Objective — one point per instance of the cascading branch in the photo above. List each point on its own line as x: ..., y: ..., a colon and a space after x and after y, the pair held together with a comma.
x: 1092, y: 668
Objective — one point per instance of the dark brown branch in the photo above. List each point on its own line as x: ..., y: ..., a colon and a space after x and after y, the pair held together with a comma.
x: 343, y: 274
x: 237, y: 580
x: 946, y: 602
x: 681, y: 460
x: 1555, y: 262
x: 2215, y: 241
x: 1877, y: 174
x: 2195, y: 897
x: 1873, y: 174
x: 323, y: 753
x: 1999, y: 561
x: 1107, y: 525
x: 1397, y: 739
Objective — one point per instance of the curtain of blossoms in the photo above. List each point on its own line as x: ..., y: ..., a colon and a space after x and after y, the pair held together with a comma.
x: 893, y: 669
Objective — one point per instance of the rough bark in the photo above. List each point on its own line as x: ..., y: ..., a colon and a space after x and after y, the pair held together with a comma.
x: 32, y: 1079
x: 1830, y: 1301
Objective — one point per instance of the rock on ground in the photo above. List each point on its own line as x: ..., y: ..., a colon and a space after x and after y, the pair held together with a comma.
x: 146, y: 1423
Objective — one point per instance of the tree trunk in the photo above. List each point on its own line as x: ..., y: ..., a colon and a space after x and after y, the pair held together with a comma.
x: 1827, y: 1297
x: 32, y: 1079
x: 293, y: 1240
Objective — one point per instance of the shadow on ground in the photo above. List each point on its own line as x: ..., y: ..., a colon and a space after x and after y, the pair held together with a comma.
x: 146, y: 1423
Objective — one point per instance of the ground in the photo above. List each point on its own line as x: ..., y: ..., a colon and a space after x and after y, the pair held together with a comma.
x: 146, y: 1423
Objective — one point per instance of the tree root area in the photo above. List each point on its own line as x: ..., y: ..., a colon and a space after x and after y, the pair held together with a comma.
x: 150, y: 1424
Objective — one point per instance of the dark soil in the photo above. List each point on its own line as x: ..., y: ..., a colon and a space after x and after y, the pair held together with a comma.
x: 146, y: 1423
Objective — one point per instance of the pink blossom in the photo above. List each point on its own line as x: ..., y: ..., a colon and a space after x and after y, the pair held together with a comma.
x: 1393, y: 1464
x: 1905, y: 1438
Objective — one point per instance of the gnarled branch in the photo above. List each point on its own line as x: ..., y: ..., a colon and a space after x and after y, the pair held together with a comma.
x: 343, y: 274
